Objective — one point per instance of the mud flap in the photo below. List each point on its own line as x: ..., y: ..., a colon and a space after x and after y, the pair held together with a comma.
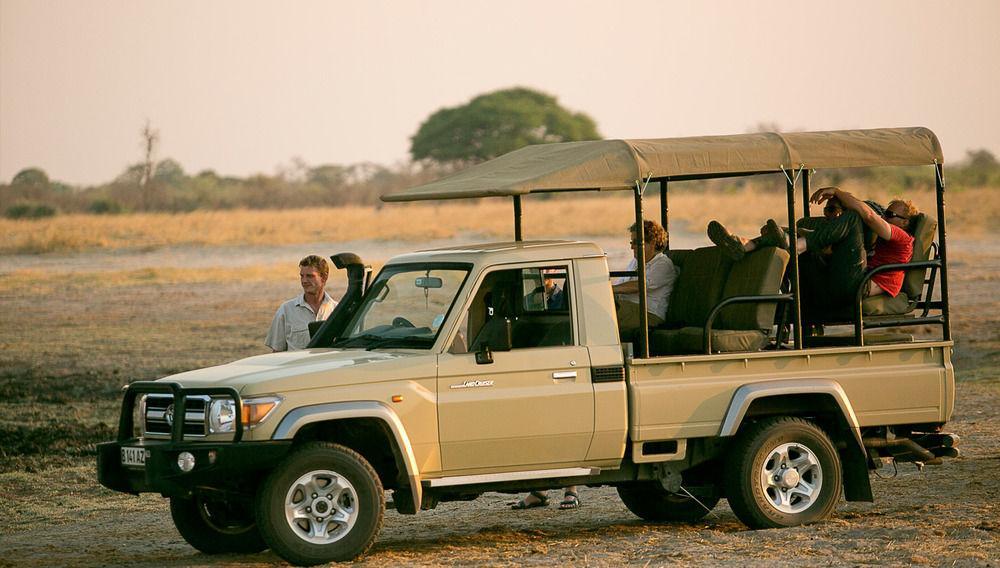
x: 857, y: 482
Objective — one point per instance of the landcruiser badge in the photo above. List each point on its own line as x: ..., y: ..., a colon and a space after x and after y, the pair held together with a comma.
x: 472, y: 384
x: 168, y: 415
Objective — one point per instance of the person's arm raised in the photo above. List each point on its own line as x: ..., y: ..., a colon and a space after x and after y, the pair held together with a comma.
x: 868, y: 215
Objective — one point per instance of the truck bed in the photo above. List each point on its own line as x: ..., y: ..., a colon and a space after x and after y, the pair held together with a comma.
x: 680, y: 397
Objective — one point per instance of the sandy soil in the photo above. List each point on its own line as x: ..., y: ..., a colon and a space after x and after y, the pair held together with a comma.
x: 944, y: 515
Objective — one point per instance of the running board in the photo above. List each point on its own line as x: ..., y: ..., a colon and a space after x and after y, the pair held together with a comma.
x: 512, y: 476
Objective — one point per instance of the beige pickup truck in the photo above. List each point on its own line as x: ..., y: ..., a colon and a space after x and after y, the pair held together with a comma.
x: 499, y: 367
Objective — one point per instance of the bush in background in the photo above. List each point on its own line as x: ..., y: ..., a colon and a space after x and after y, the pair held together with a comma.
x: 104, y: 207
x: 28, y: 210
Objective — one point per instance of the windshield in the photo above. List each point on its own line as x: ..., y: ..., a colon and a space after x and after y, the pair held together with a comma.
x: 404, y: 307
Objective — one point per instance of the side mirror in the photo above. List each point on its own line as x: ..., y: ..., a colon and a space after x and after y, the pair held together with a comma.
x: 314, y: 327
x: 484, y: 356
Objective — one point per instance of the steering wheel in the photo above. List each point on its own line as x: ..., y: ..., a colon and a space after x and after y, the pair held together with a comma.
x: 400, y: 321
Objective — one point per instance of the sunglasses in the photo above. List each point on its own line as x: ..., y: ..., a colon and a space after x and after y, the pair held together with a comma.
x: 832, y: 208
x: 890, y: 215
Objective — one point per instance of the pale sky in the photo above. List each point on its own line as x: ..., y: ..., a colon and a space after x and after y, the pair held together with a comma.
x: 244, y: 87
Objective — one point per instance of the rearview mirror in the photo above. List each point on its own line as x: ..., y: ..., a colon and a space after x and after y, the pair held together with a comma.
x: 426, y: 282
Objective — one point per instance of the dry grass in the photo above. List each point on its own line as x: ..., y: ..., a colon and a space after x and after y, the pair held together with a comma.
x: 44, y: 282
x: 970, y: 212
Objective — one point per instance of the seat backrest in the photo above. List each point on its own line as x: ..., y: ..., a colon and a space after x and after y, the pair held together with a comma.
x: 698, y: 289
x: 925, y: 228
x: 758, y: 273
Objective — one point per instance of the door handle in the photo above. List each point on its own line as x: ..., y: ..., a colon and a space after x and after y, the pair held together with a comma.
x: 564, y: 375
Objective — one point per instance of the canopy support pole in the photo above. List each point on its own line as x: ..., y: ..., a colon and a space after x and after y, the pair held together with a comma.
x: 805, y: 193
x: 640, y: 235
x: 664, y: 209
x: 517, y: 218
x: 942, y: 251
x: 793, y: 275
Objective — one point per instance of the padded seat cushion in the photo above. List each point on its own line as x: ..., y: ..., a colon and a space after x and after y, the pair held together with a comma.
x: 759, y: 273
x: 883, y: 305
x: 923, y: 235
x: 876, y: 338
x: 699, y: 287
x: 689, y: 340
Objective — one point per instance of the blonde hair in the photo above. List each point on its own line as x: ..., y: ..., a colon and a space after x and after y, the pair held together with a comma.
x: 910, y: 208
x: 317, y: 262
x: 653, y: 233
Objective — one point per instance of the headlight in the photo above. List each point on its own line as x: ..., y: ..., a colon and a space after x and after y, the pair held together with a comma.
x: 139, y: 417
x: 222, y: 412
x: 221, y: 415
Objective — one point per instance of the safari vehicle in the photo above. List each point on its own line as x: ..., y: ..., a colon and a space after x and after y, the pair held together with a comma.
x: 451, y: 374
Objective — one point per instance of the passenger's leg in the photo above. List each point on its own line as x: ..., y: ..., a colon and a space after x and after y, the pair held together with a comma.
x: 628, y: 320
x: 847, y: 263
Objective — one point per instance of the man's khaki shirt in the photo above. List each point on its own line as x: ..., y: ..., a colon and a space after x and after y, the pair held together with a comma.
x: 290, y: 326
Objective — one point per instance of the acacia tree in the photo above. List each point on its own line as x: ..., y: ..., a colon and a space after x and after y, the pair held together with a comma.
x: 33, y: 177
x: 496, y: 123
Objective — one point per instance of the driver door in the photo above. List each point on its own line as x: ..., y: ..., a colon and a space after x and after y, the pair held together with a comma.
x: 533, y: 406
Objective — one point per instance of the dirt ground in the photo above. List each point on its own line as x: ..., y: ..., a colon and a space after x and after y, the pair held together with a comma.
x: 59, y: 374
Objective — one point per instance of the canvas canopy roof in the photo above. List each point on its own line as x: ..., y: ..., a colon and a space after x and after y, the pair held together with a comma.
x: 617, y: 164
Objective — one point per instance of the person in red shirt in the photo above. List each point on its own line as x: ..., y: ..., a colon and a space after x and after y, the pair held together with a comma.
x: 894, y: 244
x: 830, y: 286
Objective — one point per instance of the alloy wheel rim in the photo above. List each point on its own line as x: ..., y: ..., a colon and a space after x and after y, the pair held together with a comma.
x: 791, y: 478
x: 321, y: 507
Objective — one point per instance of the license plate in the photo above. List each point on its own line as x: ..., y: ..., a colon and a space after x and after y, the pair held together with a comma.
x: 134, y: 457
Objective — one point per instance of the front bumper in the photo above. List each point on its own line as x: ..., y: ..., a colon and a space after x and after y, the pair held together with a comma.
x: 216, y: 465
x: 219, y: 464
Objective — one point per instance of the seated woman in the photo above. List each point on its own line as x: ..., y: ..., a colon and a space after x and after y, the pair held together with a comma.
x: 661, y: 274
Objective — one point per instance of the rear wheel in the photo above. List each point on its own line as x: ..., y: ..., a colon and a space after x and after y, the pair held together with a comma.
x: 323, y: 504
x: 783, y: 472
x: 216, y: 526
x: 651, y: 502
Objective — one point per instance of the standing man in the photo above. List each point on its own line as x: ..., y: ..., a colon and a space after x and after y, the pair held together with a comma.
x: 290, y: 326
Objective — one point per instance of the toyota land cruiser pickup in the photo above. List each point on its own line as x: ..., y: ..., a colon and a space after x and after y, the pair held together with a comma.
x: 450, y: 374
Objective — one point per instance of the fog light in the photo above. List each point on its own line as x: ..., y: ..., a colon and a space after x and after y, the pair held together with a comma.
x: 211, y: 456
x: 185, y: 461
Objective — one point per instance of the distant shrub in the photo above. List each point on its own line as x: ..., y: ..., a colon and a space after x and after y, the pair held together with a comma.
x: 105, y: 207
x: 28, y: 210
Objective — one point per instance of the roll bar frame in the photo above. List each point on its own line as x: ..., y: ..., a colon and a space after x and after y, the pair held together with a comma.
x: 939, y: 265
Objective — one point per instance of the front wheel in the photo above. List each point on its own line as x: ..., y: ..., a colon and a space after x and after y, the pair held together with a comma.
x: 651, y: 502
x: 323, y: 504
x: 216, y: 527
x: 783, y: 472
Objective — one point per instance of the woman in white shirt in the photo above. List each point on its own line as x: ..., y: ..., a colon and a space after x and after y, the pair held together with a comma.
x: 660, y: 277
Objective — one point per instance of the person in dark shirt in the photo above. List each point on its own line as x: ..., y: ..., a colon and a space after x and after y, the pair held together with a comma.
x: 844, y: 238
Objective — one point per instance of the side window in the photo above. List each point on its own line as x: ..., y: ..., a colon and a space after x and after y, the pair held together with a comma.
x: 520, y: 308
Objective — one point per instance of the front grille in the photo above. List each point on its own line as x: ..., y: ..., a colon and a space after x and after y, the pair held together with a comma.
x: 607, y: 374
x: 159, y: 407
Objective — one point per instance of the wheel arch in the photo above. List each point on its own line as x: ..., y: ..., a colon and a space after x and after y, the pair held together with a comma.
x: 824, y: 398
x: 320, y: 421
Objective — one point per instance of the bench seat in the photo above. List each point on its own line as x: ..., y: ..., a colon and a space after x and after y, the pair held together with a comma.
x: 707, y: 277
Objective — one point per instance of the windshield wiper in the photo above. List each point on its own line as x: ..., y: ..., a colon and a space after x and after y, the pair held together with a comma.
x: 412, y: 340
